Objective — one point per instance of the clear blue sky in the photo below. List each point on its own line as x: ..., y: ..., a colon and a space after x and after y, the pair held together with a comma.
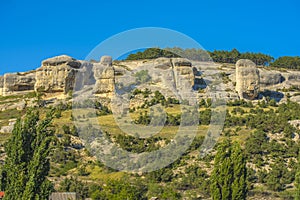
x: 33, y: 30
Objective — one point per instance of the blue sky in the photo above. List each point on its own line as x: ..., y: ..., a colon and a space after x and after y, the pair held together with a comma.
x: 35, y: 30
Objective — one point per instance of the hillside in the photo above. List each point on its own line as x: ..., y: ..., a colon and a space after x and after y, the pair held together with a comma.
x: 261, y: 106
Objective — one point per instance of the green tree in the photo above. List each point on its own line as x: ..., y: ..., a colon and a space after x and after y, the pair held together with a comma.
x: 297, y: 180
x: 27, y: 164
x: 221, y: 177
x: 228, y: 180
x: 239, y: 185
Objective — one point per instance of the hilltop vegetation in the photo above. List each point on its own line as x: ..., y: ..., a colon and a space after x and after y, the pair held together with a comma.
x: 219, y: 56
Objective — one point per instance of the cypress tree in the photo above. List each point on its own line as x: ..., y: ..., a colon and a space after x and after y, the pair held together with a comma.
x: 228, y: 180
x: 27, y: 164
x: 239, y: 185
x: 222, y: 173
x: 297, y: 181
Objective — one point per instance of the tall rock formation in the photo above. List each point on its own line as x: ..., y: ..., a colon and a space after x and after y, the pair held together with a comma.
x: 57, y: 74
x: 104, y: 75
x: 247, y: 79
x: 184, y: 74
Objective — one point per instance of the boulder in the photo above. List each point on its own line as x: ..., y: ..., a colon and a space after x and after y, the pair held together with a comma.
x: 247, y: 79
x: 60, y: 60
x: 106, y: 60
x: 268, y: 78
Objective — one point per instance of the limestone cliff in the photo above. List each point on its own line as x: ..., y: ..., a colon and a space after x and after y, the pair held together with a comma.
x: 62, y: 74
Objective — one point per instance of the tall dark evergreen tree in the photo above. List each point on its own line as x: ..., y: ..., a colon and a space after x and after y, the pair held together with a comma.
x: 27, y: 164
x: 228, y: 180
x: 297, y: 181
x: 239, y: 185
x: 222, y: 173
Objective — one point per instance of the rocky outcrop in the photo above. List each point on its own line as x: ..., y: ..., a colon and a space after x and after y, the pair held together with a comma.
x: 62, y: 74
x: 162, y: 63
x: 62, y: 60
x: 17, y: 82
x: 268, y: 78
x: 9, y: 128
x: 183, y: 73
x: 1, y: 85
x: 106, y: 60
x: 247, y: 79
x: 104, y: 75
x: 294, y: 77
x: 57, y: 74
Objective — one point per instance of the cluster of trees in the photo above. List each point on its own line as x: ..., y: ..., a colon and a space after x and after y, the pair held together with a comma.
x: 267, y: 120
x: 100, y: 109
x: 174, y: 120
x: 137, y: 145
x: 27, y: 165
x: 220, y: 56
x: 157, y: 98
x: 264, y: 151
x: 234, y: 55
x: 258, y: 147
x: 202, y: 55
x: 112, y: 189
x: 151, y: 53
x: 289, y: 62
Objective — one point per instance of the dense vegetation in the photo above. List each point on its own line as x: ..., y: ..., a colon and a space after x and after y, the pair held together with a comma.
x: 220, y: 56
x: 229, y: 177
x: 27, y: 164
x: 287, y: 62
x: 257, y: 154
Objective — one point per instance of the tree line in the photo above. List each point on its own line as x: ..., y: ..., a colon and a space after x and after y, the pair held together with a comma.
x: 219, y: 56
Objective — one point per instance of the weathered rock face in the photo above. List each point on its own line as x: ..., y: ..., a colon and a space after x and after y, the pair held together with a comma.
x: 162, y: 63
x: 1, y: 85
x: 268, y: 78
x: 104, y: 75
x: 106, y: 60
x: 172, y: 75
x: 183, y: 73
x: 294, y: 77
x: 62, y: 60
x: 176, y: 71
x: 11, y: 83
x: 247, y: 79
x: 57, y: 74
